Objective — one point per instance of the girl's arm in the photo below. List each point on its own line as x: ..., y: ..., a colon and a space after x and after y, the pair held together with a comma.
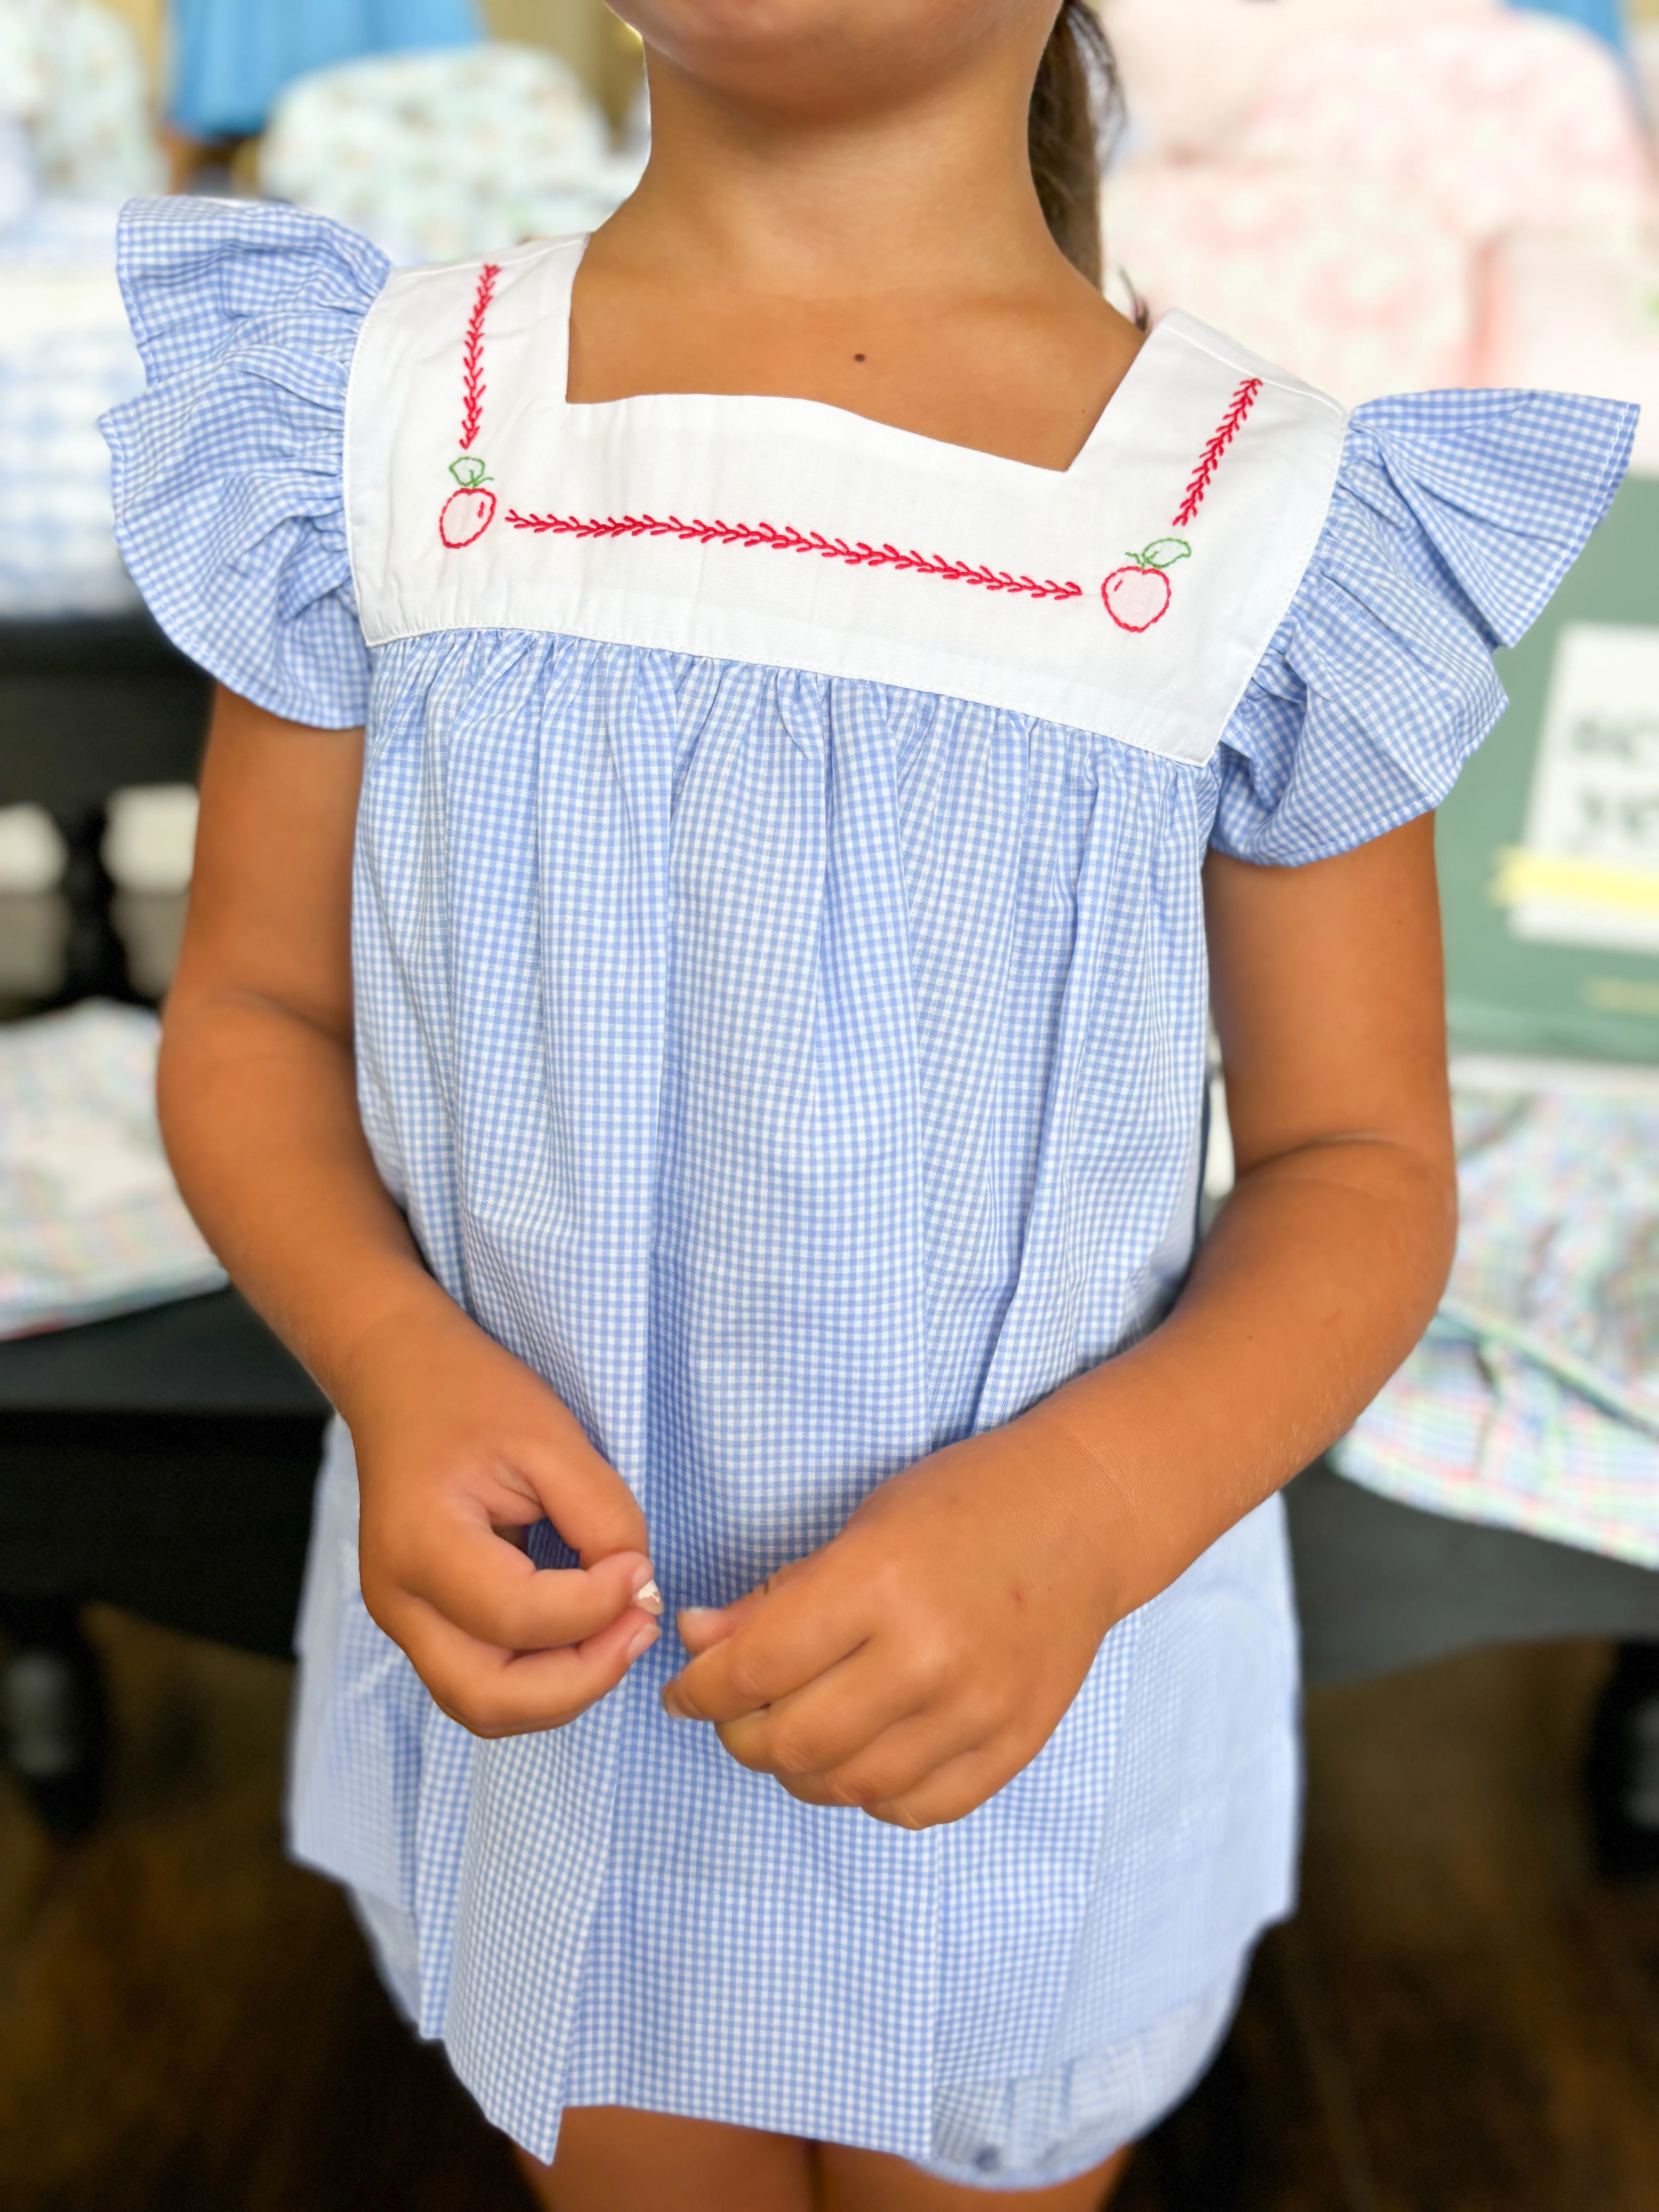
x: 459, y: 1445
x: 919, y: 1661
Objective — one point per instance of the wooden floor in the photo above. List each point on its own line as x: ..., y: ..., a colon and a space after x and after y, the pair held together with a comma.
x: 1460, y: 2019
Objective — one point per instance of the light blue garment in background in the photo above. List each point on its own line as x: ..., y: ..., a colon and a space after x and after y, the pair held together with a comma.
x: 1607, y: 18
x: 232, y: 58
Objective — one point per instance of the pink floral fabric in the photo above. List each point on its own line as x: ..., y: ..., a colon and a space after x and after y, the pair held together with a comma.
x: 1351, y: 284
x: 1564, y: 313
x: 1194, y: 70
x: 1499, y: 123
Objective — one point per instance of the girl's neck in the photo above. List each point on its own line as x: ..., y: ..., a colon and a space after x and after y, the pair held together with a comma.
x: 926, y: 195
x: 892, y: 261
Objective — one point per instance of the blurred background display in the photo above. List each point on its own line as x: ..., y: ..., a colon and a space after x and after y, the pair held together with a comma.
x: 438, y: 128
x: 1388, y: 195
x: 439, y: 155
x: 229, y: 61
x: 1381, y: 195
x: 1343, y: 183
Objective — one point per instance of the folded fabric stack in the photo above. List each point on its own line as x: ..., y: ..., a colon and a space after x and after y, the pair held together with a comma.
x: 72, y: 80
x: 66, y: 355
x: 91, y: 1223
x: 1195, y: 72
x: 439, y: 155
x: 75, y: 141
x: 1501, y: 122
x: 1533, y: 1401
x: 1292, y: 168
x: 1356, y: 286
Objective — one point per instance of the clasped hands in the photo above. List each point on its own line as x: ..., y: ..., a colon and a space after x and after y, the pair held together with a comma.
x: 910, y: 1667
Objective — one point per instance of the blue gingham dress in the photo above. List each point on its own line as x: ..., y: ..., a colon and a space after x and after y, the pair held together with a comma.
x: 801, y: 1065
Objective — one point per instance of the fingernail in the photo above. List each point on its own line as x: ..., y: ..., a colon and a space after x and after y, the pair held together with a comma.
x: 643, y: 1640
x: 646, y: 1595
x: 670, y: 1705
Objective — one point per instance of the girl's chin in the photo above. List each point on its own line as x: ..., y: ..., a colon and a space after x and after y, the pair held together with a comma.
x: 824, y: 55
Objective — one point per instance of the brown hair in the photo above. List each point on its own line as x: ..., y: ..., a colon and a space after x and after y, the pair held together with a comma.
x: 1076, y: 111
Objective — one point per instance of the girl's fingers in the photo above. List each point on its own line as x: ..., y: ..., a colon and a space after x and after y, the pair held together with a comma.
x: 501, y: 1693
x: 701, y: 1627
x: 595, y: 1513
x: 491, y: 1591
x: 894, y: 1763
x: 811, y: 1734
x: 799, y: 1628
x: 950, y: 1791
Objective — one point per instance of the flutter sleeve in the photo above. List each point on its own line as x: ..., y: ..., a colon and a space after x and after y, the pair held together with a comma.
x: 228, y: 471
x: 1455, y: 517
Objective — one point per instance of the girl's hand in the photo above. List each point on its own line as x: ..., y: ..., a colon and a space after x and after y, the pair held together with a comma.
x: 917, y: 1662
x: 460, y: 1448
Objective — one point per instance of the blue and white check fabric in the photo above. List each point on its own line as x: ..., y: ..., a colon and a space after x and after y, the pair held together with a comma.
x: 799, y: 1071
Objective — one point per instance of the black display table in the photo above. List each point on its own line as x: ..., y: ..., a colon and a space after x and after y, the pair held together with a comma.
x: 164, y: 1462
x: 1381, y: 1586
x: 88, y: 708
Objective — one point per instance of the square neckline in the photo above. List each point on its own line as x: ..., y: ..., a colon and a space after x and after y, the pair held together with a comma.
x: 849, y: 419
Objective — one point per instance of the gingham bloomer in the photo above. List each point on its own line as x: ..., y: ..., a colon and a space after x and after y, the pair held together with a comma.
x: 782, y: 998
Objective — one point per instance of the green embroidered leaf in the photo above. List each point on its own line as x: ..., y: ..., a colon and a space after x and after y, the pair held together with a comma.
x: 1164, y: 552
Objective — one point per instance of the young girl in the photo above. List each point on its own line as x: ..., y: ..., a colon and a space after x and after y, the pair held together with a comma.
x: 816, y: 1722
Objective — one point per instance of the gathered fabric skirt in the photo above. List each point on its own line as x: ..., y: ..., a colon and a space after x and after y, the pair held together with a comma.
x: 1033, y: 2134
x: 655, y: 1991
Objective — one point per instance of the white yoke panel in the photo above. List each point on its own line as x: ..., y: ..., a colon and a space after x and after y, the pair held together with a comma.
x: 1132, y: 595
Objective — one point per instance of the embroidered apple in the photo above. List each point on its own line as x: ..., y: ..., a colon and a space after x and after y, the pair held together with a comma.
x: 1138, y: 596
x: 469, y: 511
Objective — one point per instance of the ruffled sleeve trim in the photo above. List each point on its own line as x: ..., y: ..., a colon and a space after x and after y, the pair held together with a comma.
x: 1455, y: 518
x: 228, y: 472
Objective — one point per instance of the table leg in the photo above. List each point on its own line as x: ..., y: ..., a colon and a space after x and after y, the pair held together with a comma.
x: 54, y: 1716
x: 1622, y: 1771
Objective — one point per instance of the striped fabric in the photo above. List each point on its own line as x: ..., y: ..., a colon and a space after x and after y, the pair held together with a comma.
x: 800, y: 1072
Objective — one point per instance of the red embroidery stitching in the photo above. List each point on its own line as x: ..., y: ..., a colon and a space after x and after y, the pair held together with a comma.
x: 1135, y: 597
x: 472, y: 383
x: 1233, y: 422
x: 468, y: 513
x: 790, y: 540
x: 1140, y: 595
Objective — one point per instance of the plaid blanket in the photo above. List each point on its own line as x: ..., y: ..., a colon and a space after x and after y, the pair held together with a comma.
x: 1533, y: 1403
x: 91, y: 1223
